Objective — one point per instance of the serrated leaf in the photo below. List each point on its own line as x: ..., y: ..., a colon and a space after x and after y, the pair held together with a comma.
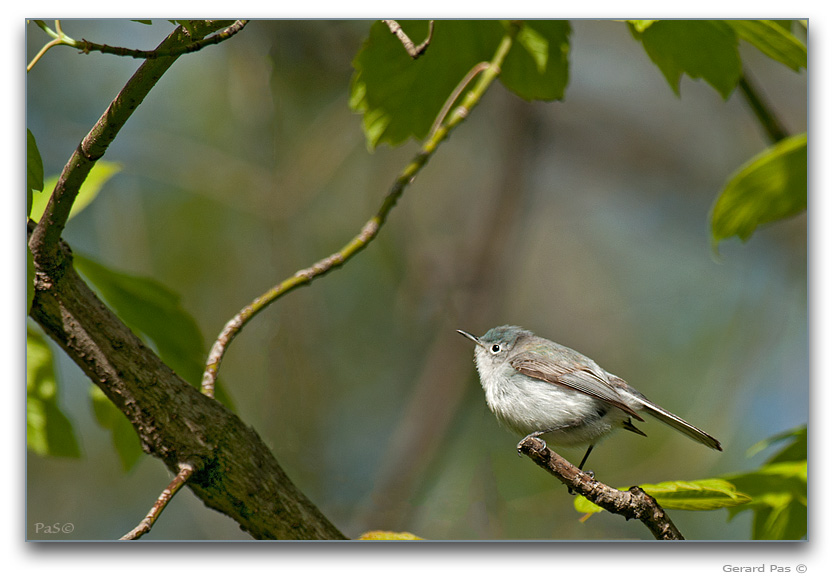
x: 706, y: 49
x: 48, y: 430
x: 771, y: 186
x: 124, y: 437
x: 153, y: 312
x: 400, y: 97
x: 537, y: 65
x: 774, y: 40
x: 100, y: 174
x: 34, y: 170
x: 698, y: 495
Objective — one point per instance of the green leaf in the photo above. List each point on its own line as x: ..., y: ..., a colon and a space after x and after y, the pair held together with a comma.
x: 154, y: 313
x: 706, y: 49
x: 124, y: 437
x: 698, y: 495
x: 537, y: 65
x: 48, y: 430
x: 100, y: 174
x: 779, y: 493
x: 640, y: 26
x: 771, y: 186
x: 399, y: 97
x: 774, y: 40
x: 785, y: 521
x: 34, y: 170
x: 797, y: 450
x: 586, y: 506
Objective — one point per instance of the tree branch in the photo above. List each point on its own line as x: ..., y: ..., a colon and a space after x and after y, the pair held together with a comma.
x: 161, y: 503
x: 632, y: 504
x: 86, y: 46
x: 234, y: 470
x: 413, y: 51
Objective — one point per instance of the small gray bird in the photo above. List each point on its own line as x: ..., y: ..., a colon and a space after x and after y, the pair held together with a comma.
x: 539, y: 388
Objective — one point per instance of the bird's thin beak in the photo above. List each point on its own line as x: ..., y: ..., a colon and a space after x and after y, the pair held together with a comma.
x: 474, y: 339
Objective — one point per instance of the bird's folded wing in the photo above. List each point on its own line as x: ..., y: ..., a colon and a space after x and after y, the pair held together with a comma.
x: 585, y: 378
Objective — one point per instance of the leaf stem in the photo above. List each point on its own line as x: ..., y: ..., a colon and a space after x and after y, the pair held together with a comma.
x: 764, y: 113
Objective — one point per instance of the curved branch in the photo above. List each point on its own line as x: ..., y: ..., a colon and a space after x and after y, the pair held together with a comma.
x: 161, y: 503
x: 371, y: 228
x: 632, y: 504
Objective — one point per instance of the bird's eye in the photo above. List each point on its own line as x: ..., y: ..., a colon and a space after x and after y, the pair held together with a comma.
x: 496, y: 348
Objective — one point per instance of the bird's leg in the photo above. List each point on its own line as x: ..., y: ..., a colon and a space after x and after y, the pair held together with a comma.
x: 581, y: 464
x: 584, y: 459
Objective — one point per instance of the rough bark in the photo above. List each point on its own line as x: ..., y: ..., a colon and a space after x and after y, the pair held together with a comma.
x: 235, y: 473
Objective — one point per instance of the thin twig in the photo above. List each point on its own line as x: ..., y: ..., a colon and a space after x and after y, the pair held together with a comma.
x: 162, y: 501
x: 480, y: 67
x: 764, y: 113
x: 632, y: 504
x: 371, y: 227
x: 58, y: 37
x: 87, y: 47
x: 413, y: 51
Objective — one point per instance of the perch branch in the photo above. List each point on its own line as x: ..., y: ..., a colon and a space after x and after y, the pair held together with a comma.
x: 371, y: 227
x: 632, y: 504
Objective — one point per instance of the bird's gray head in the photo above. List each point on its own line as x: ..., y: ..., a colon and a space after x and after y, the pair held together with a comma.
x: 497, y: 344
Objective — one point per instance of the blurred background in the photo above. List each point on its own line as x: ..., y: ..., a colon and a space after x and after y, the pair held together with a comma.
x: 585, y: 221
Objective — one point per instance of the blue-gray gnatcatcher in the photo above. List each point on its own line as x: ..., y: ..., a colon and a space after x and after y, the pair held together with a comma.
x: 539, y: 388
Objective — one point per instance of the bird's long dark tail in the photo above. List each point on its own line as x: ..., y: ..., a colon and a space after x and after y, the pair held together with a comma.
x: 676, y: 422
